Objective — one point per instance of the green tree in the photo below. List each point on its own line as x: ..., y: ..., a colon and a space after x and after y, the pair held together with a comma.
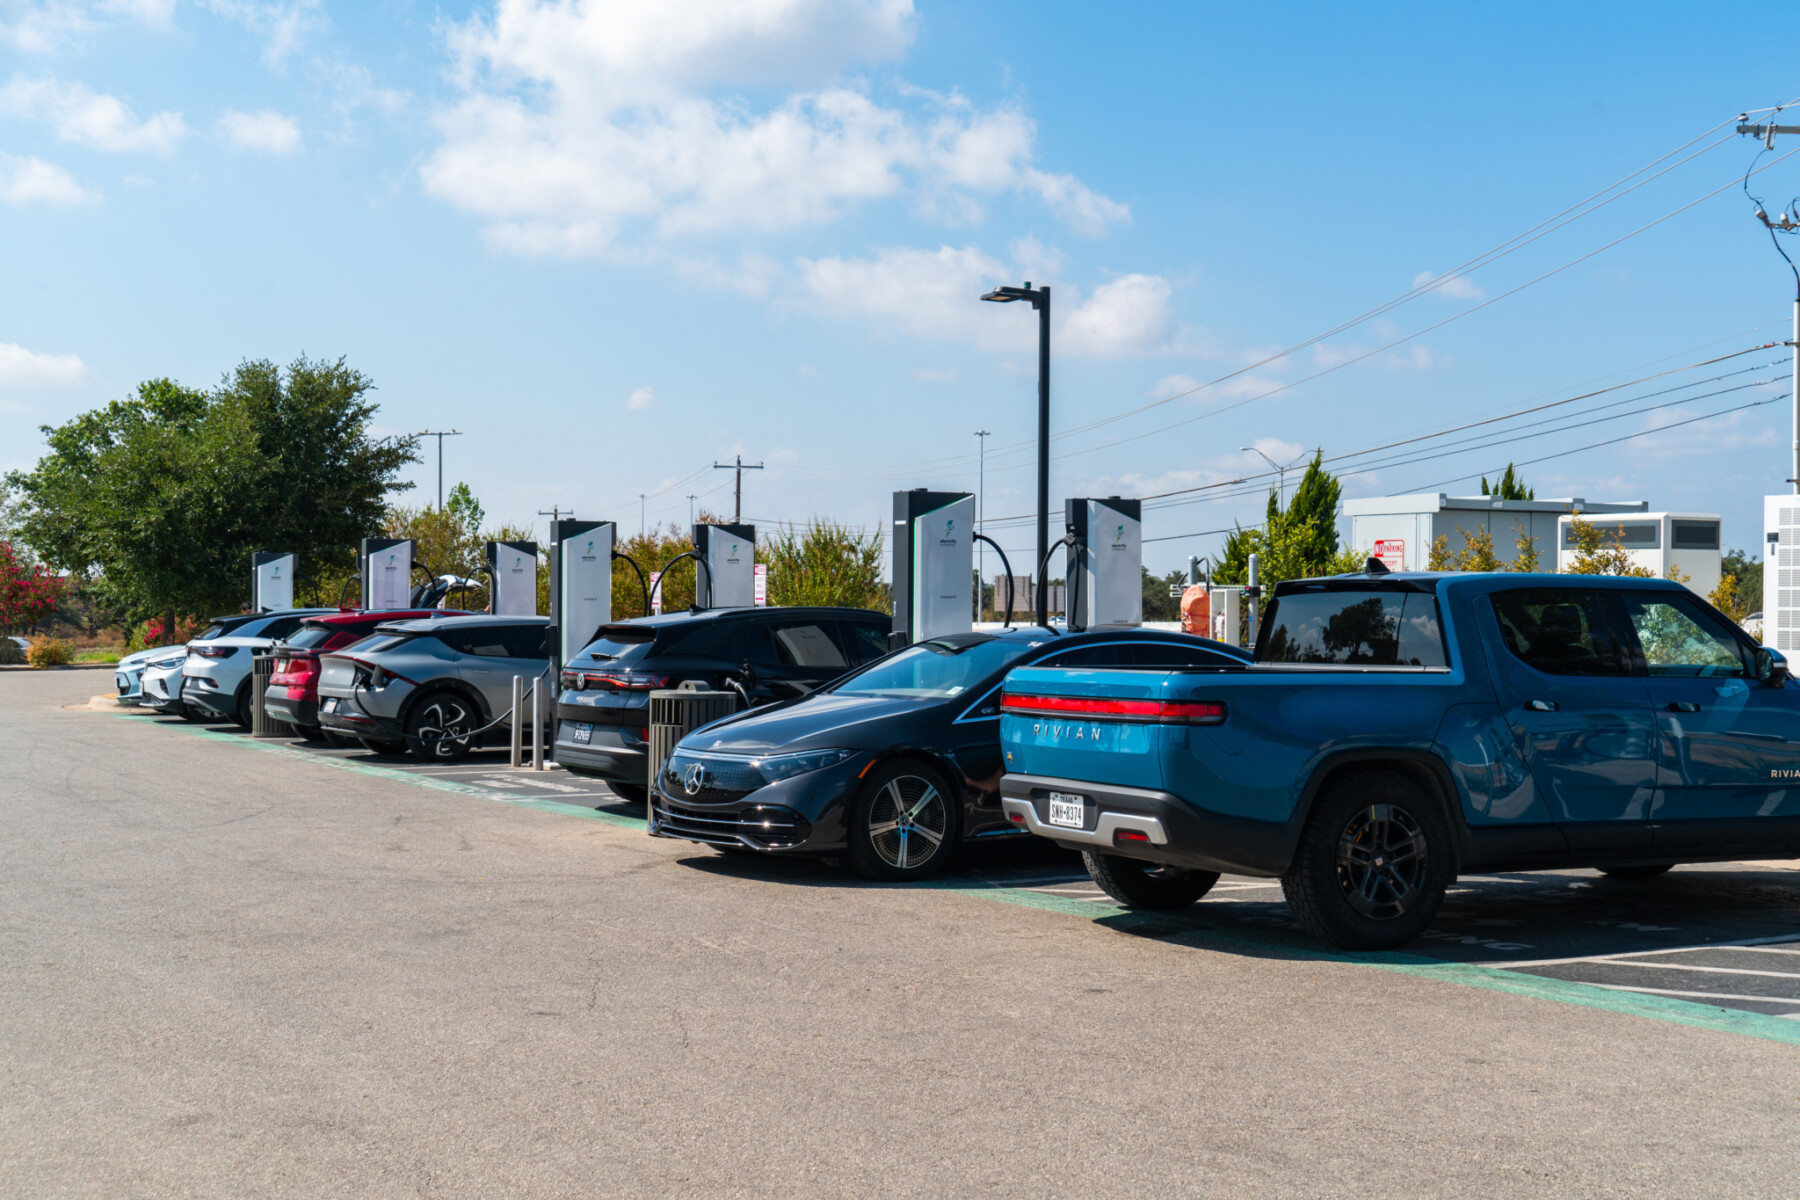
x: 167, y: 494
x: 1298, y: 542
x: 1746, y: 571
x: 1508, y: 487
x: 1159, y: 605
x: 825, y: 563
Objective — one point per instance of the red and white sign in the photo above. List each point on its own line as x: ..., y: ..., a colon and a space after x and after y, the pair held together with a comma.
x: 655, y: 595
x: 1392, y: 552
x: 762, y: 584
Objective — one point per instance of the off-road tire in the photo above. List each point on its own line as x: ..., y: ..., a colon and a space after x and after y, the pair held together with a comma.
x: 1373, y: 863
x: 1139, y: 884
x: 1636, y: 872
x: 902, y: 808
x: 437, y: 727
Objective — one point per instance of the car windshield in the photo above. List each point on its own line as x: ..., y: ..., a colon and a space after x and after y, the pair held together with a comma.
x: 620, y: 645
x: 377, y: 641
x: 934, y: 670
x: 308, y: 636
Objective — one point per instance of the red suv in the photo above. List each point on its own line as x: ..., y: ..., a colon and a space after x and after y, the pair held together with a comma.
x: 293, y: 694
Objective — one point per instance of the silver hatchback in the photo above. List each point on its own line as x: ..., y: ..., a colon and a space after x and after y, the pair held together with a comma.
x: 438, y: 688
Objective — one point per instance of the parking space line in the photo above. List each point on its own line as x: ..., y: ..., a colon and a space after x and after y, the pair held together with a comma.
x: 1744, y: 944
x: 1624, y: 961
x: 1620, y: 987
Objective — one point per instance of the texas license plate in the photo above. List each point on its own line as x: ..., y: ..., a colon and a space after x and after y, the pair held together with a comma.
x: 584, y: 735
x: 330, y: 705
x: 1068, y: 809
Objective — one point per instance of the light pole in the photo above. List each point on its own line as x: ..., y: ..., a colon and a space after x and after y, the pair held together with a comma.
x: 440, y: 435
x: 980, y: 512
x: 691, y: 499
x: 1040, y: 300
x: 640, y: 515
x: 1280, y: 471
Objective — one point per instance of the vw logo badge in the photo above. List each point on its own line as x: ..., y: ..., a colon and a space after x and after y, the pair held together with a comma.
x: 694, y: 779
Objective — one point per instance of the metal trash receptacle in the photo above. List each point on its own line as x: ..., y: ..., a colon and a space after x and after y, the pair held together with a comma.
x: 675, y: 713
x: 262, y: 725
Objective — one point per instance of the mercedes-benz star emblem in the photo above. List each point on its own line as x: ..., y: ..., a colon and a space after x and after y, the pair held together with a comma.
x: 694, y: 779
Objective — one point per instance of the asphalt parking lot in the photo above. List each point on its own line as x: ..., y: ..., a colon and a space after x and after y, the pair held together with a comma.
x: 261, y: 968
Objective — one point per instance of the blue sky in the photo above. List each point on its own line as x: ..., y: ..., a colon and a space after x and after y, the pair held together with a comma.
x: 615, y: 243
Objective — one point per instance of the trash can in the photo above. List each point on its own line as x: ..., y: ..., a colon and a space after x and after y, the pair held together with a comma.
x: 674, y: 713
x: 262, y: 725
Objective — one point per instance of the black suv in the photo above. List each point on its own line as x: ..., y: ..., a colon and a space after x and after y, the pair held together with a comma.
x: 603, y: 713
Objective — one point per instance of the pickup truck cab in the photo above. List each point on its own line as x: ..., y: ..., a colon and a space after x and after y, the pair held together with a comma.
x: 1395, y: 730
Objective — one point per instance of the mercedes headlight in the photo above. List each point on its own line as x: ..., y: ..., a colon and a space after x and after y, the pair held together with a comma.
x: 785, y: 766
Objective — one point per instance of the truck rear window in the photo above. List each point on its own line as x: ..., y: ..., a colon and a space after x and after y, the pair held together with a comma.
x: 1353, y: 628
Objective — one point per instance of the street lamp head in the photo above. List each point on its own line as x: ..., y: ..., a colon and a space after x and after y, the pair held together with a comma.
x: 1006, y: 295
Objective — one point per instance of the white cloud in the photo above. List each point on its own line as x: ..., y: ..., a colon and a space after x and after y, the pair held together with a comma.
x: 641, y: 400
x: 282, y: 27
x: 32, y: 180
x: 91, y: 119
x: 1410, y: 358
x: 1126, y: 316
x: 934, y: 293
x: 41, y: 26
x: 20, y: 367
x: 265, y: 130
x: 584, y: 123
x: 1460, y: 287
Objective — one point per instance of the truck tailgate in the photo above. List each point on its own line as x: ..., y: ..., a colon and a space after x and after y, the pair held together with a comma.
x: 1129, y: 753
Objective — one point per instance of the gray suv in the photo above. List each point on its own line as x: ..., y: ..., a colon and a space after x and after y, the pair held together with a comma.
x: 439, y: 688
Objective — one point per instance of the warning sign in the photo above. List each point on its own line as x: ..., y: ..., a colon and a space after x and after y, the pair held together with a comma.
x: 1392, y: 552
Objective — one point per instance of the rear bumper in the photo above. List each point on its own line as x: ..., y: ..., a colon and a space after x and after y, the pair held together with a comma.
x: 209, y: 700
x: 294, y: 712
x: 1179, y: 833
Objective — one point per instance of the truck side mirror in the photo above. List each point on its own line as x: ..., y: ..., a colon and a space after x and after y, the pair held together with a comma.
x: 1771, y: 668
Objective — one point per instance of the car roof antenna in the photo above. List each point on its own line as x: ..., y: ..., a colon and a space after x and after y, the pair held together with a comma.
x: 1376, y: 567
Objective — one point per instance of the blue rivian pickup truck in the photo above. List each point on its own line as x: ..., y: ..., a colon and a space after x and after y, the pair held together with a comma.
x: 1395, y: 730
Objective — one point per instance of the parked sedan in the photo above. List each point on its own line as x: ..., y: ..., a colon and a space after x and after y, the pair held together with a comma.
x: 128, y: 672
x: 293, y: 694
x: 216, y: 677
x: 767, y: 654
x: 160, y: 685
x: 897, y: 764
x: 438, y: 688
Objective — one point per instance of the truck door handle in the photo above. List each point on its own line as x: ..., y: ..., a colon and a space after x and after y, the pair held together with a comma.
x: 1541, y: 705
x: 1683, y: 706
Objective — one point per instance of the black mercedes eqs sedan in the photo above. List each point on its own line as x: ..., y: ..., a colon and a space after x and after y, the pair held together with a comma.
x: 894, y: 766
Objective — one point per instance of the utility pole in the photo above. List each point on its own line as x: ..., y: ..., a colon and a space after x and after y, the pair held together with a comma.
x: 691, y: 499
x: 1040, y: 300
x: 1788, y: 223
x: 640, y: 515
x: 737, y: 503
x: 440, y: 435
x: 1280, y: 472
x: 981, y: 512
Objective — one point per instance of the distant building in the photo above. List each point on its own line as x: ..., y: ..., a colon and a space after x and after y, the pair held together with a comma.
x: 1399, y: 530
x: 1661, y: 543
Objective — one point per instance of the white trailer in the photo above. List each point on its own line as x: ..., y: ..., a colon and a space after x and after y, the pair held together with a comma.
x: 1660, y: 542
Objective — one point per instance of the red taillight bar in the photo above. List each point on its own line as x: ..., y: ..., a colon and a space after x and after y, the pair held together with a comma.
x: 1172, y: 712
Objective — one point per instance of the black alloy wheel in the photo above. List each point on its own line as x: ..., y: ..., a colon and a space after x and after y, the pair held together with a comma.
x: 1139, y: 884
x: 241, y: 711
x: 439, y: 728
x: 1636, y: 871
x: 1373, y: 864
x: 192, y: 712
x: 904, y: 823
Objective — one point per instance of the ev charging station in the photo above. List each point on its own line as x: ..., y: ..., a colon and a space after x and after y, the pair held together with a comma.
x: 271, y: 581
x: 1105, y: 563
x: 934, y: 564
x: 581, y: 554
x: 387, y: 565
x: 730, y: 555
x: 512, y: 578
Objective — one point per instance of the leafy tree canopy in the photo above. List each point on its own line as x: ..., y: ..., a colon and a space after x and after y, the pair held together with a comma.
x: 167, y: 494
x: 1508, y: 487
x: 1299, y: 542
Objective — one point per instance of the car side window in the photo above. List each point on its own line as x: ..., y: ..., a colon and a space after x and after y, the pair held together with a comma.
x: 1110, y: 655
x: 866, y: 643
x: 749, y: 642
x: 280, y: 627
x: 807, y: 644
x: 1560, y: 631
x: 1679, y: 637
